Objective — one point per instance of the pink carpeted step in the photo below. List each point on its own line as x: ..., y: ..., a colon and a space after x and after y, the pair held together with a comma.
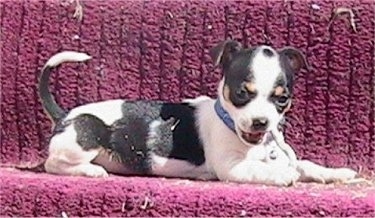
x: 39, y: 194
x: 159, y: 50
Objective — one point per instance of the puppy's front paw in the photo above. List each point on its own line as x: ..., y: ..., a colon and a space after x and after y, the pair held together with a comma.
x: 285, y: 177
x: 92, y: 170
x: 314, y: 172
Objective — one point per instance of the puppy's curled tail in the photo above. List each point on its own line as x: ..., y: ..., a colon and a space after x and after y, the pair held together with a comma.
x: 49, y: 104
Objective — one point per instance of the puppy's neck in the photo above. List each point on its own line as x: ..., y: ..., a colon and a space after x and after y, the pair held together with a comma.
x: 224, y: 115
x: 221, y: 107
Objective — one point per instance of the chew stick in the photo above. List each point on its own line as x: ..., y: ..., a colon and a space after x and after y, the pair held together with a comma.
x: 279, y: 138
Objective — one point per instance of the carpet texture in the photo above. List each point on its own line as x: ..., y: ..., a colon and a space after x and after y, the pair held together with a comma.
x: 159, y: 50
x: 48, y: 195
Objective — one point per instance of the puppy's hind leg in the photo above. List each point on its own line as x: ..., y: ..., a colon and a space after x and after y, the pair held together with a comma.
x: 83, y: 169
x: 68, y: 157
x: 62, y: 165
x: 312, y: 172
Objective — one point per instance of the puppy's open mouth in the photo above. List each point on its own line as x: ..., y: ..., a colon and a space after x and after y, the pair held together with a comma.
x: 252, y: 137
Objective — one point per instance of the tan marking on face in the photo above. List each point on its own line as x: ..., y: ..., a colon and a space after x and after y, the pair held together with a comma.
x: 250, y: 86
x: 226, y: 93
x: 279, y: 91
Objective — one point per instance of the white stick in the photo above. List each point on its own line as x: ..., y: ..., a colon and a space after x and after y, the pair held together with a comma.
x: 279, y: 138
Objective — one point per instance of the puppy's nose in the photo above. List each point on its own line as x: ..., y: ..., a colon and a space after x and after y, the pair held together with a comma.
x: 260, y: 124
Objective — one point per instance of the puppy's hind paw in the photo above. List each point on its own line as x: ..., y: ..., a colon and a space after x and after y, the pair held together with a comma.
x: 92, y: 170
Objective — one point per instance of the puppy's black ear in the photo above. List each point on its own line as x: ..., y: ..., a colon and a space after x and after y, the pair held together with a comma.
x: 293, y: 58
x: 222, y: 53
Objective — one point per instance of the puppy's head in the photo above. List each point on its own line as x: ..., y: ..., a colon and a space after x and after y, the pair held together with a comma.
x: 257, y: 86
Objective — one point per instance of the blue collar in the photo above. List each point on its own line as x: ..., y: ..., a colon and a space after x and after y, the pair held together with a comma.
x: 224, y: 116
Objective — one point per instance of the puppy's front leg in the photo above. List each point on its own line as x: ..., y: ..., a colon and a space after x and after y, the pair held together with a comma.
x: 253, y: 171
x: 313, y: 172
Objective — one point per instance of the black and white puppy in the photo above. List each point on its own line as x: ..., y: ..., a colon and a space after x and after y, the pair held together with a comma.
x: 227, y: 138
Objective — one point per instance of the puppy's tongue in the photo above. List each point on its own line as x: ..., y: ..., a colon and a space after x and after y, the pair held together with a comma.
x: 253, y: 138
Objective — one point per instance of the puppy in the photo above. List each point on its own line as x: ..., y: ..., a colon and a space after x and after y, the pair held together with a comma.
x: 227, y: 138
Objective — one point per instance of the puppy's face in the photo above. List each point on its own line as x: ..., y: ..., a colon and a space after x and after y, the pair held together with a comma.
x: 256, y: 89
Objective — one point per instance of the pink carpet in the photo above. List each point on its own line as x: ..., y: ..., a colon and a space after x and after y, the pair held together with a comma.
x: 31, y: 194
x: 158, y: 50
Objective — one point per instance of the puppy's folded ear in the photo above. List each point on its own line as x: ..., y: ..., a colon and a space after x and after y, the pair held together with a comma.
x: 294, y: 58
x: 222, y: 53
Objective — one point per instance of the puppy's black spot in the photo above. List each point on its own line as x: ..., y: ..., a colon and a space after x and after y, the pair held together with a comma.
x: 148, y: 110
x: 268, y: 52
x: 237, y: 76
x: 128, y: 143
x: 288, y: 76
x: 91, y: 131
x: 125, y: 139
x: 176, y: 135
x: 186, y: 142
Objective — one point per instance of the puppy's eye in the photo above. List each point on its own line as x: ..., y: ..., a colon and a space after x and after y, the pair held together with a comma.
x: 241, y: 96
x: 242, y: 93
x: 282, y: 100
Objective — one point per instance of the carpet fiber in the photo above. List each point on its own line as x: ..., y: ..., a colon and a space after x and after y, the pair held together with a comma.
x: 159, y: 50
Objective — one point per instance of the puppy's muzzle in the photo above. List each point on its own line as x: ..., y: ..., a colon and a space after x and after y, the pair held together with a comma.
x: 259, y: 124
x: 253, y: 130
